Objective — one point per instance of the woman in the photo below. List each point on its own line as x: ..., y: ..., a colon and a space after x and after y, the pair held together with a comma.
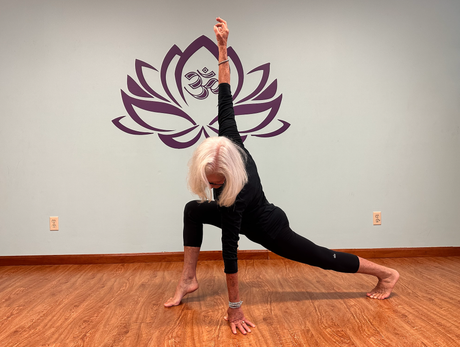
x: 223, y: 164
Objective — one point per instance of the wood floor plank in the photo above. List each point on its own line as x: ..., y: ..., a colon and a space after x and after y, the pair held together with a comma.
x: 291, y: 304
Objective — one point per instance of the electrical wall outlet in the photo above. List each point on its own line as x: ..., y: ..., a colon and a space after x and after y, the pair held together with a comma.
x: 378, y: 218
x: 54, y: 223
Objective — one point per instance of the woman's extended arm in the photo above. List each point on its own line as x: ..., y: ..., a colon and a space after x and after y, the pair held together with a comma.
x: 221, y: 31
x: 227, y: 124
x: 235, y: 316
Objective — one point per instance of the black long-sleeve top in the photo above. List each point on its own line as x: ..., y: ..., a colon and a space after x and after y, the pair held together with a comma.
x: 251, y: 214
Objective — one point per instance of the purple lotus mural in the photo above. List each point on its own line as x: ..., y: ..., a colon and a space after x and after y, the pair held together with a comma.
x: 175, y: 99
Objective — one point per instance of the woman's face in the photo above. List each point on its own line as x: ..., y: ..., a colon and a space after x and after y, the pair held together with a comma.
x: 216, y: 180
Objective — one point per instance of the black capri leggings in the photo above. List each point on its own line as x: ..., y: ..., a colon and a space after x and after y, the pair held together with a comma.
x: 287, y: 243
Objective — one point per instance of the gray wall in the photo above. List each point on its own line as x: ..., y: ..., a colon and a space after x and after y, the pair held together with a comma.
x: 371, y: 90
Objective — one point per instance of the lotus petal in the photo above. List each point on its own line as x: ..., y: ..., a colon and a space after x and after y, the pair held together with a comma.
x: 152, y: 106
x: 139, y: 64
x: 170, y: 141
x: 120, y: 126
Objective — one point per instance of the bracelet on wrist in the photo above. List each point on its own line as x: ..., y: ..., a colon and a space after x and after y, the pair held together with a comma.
x: 223, y: 61
x: 235, y: 304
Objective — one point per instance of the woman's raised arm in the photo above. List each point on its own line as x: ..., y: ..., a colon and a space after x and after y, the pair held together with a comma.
x: 221, y: 31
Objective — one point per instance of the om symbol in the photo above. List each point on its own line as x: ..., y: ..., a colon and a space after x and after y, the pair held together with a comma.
x: 203, y: 89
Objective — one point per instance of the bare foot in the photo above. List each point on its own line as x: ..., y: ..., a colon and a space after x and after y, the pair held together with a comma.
x: 384, y: 286
x: 183, y: 288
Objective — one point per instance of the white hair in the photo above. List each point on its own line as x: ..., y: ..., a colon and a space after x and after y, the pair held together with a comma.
x: 218, y: 155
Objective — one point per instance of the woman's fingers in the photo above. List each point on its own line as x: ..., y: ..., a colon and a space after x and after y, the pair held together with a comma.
x: 220, y: 20
x: 249, y: 323
x: 221, y: 26
x: 245, y: 325
x: 242, y: 326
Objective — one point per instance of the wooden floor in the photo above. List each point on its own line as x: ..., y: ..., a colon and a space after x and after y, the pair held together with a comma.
x: 291, y: 304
